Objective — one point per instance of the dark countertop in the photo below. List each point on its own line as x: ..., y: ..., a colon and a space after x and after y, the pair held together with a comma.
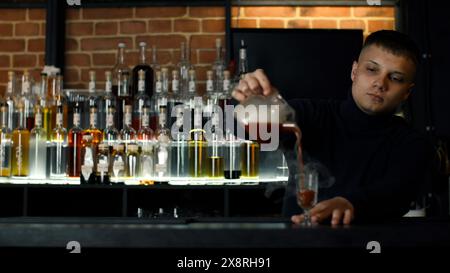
x: 216, y: 233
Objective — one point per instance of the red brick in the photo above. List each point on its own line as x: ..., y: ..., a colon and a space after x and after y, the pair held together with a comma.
x: 107, y: 13
x: 206, y: 56
x: 325, y: 11
x: 27, y: 29
x: 71, y: 75
x: 153, y: 12
x: 79, y: 29
x: 24, y: 60
x: 5, y: 61
x: 36, y: 45
x: 13, y: 14
x: 2, y: 90
x: 374, y: 25
x: 237, y: 11
x: 104, y: 59
x: 73, y: 14
x: 158, y: 26
x: 6, y: 30
x: 106, y: 28
x: 352, y: 24
x: 133, y: 27
x: 271, y: 23
x: 4, y: 76
x: 41, y: 59
x: 206, y: 11
x: 324, y: 24
x: 269, y: 11
x: 163, y: 57
x: 37, y: 14
x: 299, y: 24
x: 10, y: 45
x: 162, y: 41
x: 244, y: 23
x: 373, y: 11
x: 71, y: 45
x: 77, y: 59
x: 192, y: 56
x: 186, y: 25
x: 213, y: 25
x: 43, y: 30
x: 89, y: 44
x: 205, y: 41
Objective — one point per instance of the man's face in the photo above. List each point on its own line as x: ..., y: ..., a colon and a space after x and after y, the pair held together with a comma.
x: 381, y: 80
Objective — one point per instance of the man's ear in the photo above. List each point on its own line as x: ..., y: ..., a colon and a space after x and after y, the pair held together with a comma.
x: 411, y: 85
x: 353, y: 73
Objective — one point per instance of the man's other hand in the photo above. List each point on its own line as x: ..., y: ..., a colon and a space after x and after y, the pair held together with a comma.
x: 339, y: 209
x: 254, y: 83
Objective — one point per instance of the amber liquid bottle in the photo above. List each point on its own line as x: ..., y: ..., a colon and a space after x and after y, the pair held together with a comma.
x: 75, y: 138
x: 20, y: 148
x: 97, y: 135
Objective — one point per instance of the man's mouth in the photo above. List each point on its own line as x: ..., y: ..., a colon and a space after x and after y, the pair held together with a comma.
x: 376, y: 98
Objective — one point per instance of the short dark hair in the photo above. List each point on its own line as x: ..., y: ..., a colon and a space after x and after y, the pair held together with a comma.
x: 396, y: 43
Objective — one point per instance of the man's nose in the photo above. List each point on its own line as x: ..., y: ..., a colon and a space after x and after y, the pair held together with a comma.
x: 381, y: 83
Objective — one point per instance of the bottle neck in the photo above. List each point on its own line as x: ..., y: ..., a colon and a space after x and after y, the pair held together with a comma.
x: 142, y: 57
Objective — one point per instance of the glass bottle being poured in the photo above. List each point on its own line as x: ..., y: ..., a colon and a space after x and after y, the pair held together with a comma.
x: 264, y: 118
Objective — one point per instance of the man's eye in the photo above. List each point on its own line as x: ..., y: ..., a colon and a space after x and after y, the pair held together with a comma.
x: 371, y: 69
x: 399, y: 80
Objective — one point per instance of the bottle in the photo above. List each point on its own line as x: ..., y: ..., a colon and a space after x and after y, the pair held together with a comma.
x: 10, y: 101
x: 5, y: 144
x: 175, y: 99
x: 243, y: 63
x: 20, y: 147
x: 44, y: 103
x: 218, y: 67
x: 88, y: 160
x: 154, y: 64
x: 38, y: 148
x: 118, y: 163
x: 225, y: 96
x: 250, y: 159
x: 119, y: 69
x: 162, y: 150
x: 27, y: 100
x: 92, y: 100
x: 148, y: 73
x: 107, y: 101
x: 75, y: 143
x: 92, y: 130
x: 197, y: 143
x: 232, y: 154
x: 59, y: 99
x: 110, y: 134
x: 184, y: 66
x: 133, y: 161
x: 215, y: 163
x: 141, y: 100
x: 146, y: 161
x: 103, y: 163
x: 179, y: 150
x: 127, y: 134
x: 124, y: 99
x: 157, y: 100
x: 210, y: 97
x: 58, y: 148
x: 145, y: 133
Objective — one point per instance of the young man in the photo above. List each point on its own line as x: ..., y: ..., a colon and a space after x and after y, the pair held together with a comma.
x: 378, y: 162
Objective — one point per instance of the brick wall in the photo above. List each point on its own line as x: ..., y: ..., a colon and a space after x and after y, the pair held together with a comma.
x: 22, y: 42
x: 93, y: 34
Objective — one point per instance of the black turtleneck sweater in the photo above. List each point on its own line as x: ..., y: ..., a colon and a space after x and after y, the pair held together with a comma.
x: 378, y: 163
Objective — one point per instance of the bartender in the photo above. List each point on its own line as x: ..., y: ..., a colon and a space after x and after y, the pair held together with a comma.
x: 378, y: 161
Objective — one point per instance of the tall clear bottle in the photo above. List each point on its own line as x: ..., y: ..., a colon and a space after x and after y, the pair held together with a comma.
x: 197, y: 144
x: 58, y: 148
x: 162, y: 150
x: 127, y: 134
x: 141, y: 100
x: 121, y: 87
x: 5, y: 144
x: 28, y: 100
x: 75, y: 143
x: 10, y: 101
x: 45, y: 103
x: 184, y: 66
x: 92, y: 100
x: 59, y: 99
x: 218, y: 67
x: 110, y: 134
x: 20, y: 147
x: 107, y: 101
x: 38, y: 148
x: 148, y: 73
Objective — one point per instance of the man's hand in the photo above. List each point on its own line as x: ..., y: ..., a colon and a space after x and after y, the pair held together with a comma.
x: 339, y: 209
x: 255, y: 83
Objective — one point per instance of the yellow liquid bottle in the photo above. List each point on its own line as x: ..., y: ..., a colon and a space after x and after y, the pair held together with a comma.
x: 5, y: 145
x: 20, y: 148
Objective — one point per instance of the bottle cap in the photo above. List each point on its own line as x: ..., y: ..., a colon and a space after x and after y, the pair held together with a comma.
x: 121, y: 45
x: 142, y: 44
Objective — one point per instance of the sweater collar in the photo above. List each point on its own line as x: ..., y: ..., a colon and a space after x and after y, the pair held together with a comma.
x: 358, y: 120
